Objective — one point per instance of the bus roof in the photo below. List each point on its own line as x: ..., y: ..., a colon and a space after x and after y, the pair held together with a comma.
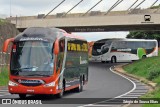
x: 74, y: 36
x: 43, y: 33
x: 123, y: 39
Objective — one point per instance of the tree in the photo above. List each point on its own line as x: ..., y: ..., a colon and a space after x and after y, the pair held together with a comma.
x: 155, y: 7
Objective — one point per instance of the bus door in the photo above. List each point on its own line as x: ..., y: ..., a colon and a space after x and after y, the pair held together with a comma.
x: 60, y: 61
x: 98, y: 58
x: 105, y: 51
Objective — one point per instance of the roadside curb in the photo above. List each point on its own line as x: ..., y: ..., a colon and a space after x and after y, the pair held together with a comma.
x: 119, y: 69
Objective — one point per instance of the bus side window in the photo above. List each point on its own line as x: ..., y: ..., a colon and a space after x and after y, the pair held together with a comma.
x: 123, y: 45
x: 130, y: 44
x: 114, y: 45
x: 119, y: 45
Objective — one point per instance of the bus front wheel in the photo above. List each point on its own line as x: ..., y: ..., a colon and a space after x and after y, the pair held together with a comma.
x: 80, y: 87
x: 113, y: 59
x: 60, y: 95
x: 103, y: 61
x: 22, y: 96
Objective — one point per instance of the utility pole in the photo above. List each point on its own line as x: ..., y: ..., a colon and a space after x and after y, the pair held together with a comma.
x: 10, y: 8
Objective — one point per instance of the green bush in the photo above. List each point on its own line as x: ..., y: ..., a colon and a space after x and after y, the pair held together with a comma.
x: 153, y: 74
x: 2, y: 21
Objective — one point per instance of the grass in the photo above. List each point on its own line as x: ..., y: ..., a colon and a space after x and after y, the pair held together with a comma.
x: 154, y: 94
x: 148, y: 68
x: 4, y: 78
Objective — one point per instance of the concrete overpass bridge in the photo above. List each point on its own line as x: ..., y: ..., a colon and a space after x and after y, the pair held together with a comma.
x: 95, y: 23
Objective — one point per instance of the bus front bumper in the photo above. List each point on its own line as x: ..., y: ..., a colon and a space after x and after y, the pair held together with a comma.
x: 32, y: 90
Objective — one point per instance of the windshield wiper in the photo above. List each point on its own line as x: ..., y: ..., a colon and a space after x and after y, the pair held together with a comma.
x: 28, y: 67
x: 25, y: 68
x: 17, y: 70
x: 20, y: 69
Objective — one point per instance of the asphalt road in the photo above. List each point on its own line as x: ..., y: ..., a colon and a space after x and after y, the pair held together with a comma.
x: 102, y: 84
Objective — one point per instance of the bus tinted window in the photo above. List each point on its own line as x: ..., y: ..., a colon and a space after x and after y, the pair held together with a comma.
x: 149, y: 45
x: 140, y: 44
x: 76, y: 59
x: 130, y: 44
x: 119, y: 45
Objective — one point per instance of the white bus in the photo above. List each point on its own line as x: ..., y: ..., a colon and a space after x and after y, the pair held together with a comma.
x: 120, y: 50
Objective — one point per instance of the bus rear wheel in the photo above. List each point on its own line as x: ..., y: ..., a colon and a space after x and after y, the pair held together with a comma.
x: 113, y: 59
x: 22, y: 96
x: 144, y: 56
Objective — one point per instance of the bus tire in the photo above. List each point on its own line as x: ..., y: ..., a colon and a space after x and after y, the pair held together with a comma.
x: 80, y: 87
x: 60, y: 95
x: 103, y: 61
x: 107, y: 61
x: 83, y: 79
x: 113, y: 59
x: 144, y: 56
x: 22, y: 96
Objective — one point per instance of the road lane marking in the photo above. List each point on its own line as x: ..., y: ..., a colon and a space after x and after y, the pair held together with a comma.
x: 5, y: 94
x: 134, y: 87
x: 128, y: 97
x: 3, y: 90
x: 138, y: 93
x: 103, y: 105
x: 133, y: 94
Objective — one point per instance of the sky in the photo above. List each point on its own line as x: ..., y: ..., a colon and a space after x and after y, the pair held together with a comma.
x: 35, y: 7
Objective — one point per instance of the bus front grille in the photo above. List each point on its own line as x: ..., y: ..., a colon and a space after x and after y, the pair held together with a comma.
x: 26, y: 82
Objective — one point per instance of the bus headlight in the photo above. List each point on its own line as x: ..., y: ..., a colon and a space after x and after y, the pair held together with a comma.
x: 50, y: 84
x: 11, y: 83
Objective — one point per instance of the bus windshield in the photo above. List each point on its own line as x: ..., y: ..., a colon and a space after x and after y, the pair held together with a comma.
x: 105, y: 47
x: 97, y: 49
x: 32, y: 58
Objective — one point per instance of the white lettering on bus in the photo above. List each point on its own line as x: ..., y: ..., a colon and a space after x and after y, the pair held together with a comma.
x: 128, y: 50
x: 26, y: 39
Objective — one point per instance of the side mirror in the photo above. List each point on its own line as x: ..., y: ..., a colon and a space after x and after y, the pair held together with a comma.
x: 56, y: 47
x: 6, y: 44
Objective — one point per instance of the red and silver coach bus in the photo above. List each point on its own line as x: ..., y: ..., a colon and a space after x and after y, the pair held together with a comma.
x: 47, y: 61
